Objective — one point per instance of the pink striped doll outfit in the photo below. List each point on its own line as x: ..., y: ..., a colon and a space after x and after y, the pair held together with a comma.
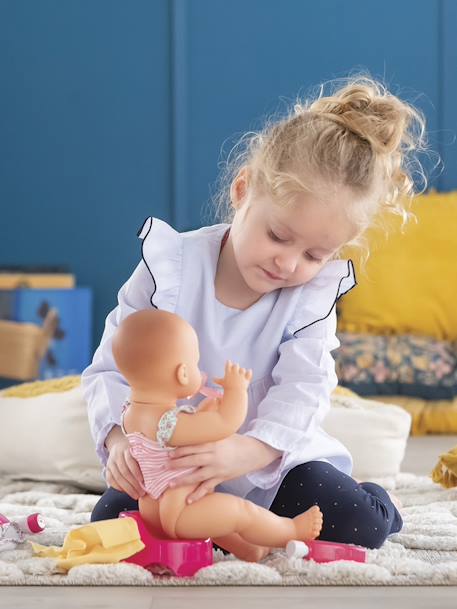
x: 153, y: 456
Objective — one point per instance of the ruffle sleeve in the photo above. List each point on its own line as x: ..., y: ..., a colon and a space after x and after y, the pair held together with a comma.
x: 304, y: 377
x: 161, y: 251
x: 319, y: 295
x: 155, y: 281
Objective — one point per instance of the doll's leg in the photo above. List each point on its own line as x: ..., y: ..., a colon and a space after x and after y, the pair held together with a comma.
x: 356, y: 513
x: 241, y: 548
x: 219, y: 514
x: 150, y: 514
x: 111, y: 503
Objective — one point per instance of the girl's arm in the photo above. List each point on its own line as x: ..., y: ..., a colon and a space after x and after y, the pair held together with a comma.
x: 104, y: 388
x: 295, y: 406
x: 262, y: 454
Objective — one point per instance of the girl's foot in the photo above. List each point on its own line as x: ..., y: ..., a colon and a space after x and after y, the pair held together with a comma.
x: 396, y: 501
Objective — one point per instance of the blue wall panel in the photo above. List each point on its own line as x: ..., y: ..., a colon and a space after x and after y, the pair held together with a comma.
x: 243, y: 56
x: 113, y: 110
x: 448, y: 109
x: 84, y: 146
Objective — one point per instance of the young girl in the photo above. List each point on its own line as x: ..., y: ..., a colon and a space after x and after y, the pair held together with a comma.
x: 260, y: 289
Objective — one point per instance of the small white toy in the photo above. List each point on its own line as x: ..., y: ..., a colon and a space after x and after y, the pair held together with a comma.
x: 14, y: 532
x: 325, y: 551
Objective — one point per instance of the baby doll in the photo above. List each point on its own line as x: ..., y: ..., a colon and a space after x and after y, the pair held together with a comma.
x: 158, y: 352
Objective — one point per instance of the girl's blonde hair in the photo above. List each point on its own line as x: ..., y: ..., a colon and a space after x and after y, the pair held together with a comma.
x: 359, y: 136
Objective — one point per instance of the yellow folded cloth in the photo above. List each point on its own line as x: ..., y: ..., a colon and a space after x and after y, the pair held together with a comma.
x: 445, y: 472
x: 105, y: 541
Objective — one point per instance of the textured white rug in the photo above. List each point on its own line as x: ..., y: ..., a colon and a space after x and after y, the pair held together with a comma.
x: 424, y: 553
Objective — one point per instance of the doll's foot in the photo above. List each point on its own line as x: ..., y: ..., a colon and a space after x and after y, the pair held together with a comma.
x: 309, y: 524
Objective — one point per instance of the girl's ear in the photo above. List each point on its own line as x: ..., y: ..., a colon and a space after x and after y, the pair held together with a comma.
x: 182, y: 375
x: 239, y: 188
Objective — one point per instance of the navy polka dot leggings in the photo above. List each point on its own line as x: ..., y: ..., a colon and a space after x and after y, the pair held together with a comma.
x: 362, y: 514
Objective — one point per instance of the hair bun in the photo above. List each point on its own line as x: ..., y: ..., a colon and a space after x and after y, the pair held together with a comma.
x: 366, y: 109
x: 357, y: 135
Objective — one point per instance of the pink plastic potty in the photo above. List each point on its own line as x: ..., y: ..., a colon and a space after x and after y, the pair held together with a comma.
x: 182, y: 557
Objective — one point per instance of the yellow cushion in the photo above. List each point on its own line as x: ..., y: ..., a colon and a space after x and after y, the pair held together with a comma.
x: 428, y: 416
x: 344, y: 391
x: 30, y: 390
x: 410, y: 282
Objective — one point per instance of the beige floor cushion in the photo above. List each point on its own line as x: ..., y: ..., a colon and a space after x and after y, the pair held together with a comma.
x: 45, y: 434
x: 46, y: 437
x: 375, y: 434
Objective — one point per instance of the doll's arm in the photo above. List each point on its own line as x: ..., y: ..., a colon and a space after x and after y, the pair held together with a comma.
x: 209, y: 405
x: 213, y: 425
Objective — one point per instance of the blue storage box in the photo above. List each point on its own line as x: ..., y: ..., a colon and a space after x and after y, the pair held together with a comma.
x: 70, y: 349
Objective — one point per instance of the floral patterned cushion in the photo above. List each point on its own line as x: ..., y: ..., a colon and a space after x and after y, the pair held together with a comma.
x: 408, y: 365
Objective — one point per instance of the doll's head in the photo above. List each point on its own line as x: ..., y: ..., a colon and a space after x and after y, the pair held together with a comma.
x: 314, y: 181
x: 157, y: 353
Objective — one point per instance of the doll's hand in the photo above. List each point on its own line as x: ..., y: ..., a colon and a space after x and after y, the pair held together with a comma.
x: 235, y: 377
x: 229, y: 458
x: 122, y: 470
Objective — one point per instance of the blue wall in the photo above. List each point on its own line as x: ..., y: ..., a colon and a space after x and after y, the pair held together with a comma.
x: 112, y: 110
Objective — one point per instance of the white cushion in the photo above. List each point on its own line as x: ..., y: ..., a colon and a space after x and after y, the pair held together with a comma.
x: 375, y: 434
x: 47, y: 438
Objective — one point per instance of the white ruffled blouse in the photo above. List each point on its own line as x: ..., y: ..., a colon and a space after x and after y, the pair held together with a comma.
x: 286, y: 338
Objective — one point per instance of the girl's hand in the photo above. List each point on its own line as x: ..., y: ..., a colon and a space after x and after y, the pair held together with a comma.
x: 229, y: 458
x: 122, y: 470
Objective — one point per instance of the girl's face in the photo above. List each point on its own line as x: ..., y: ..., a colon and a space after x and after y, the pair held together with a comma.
x: 278, y: 247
